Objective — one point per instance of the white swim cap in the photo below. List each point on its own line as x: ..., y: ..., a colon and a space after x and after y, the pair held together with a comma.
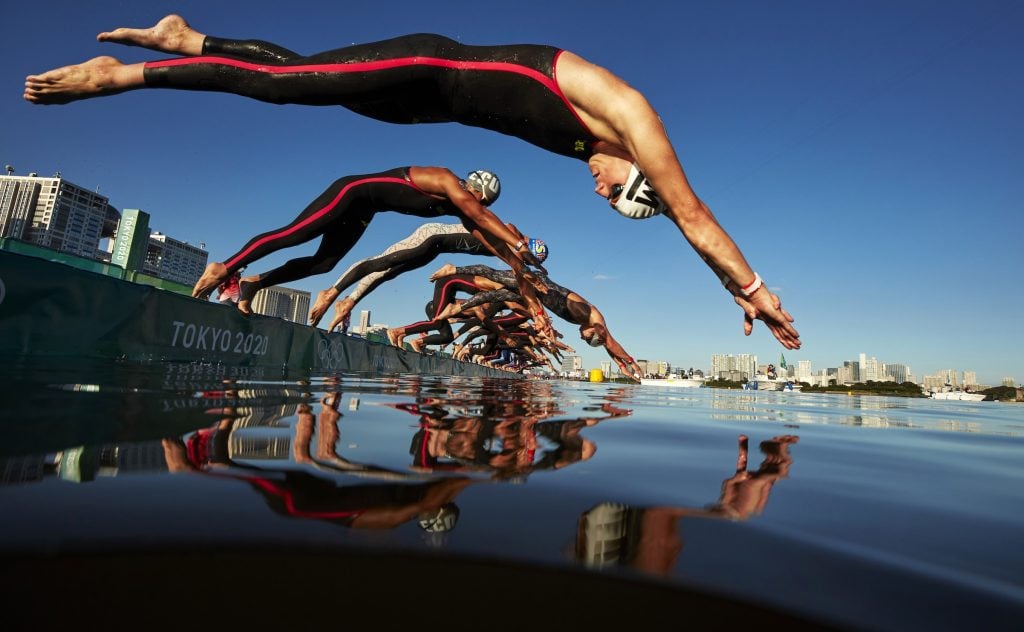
x: 638, y: 199
x: 486, y: 183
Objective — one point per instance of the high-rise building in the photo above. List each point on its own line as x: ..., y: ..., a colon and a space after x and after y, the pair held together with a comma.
x: 803, y: 371
x: 870, y: 369
x: 572, y: 365
x: 845, y: 373
x: 899, y: 373
x: 1009, y: 381
x: 970, y: 378
x: 734, y: 367
x: 54, y: 213
x: 168, y: 258
x: 364, y: 322
x: 282, y: 302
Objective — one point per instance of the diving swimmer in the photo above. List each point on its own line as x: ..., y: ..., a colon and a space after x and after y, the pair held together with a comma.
x: 544, y: 95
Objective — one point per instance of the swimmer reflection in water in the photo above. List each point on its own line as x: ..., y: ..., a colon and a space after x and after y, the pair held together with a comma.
x: 648, y: 538
x: 395, y: 499
x: 546, y: 96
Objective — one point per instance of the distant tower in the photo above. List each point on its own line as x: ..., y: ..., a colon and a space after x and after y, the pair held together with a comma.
x: 364, y: 321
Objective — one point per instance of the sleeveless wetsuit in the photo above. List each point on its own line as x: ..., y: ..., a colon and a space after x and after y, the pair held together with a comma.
x: 340, y: 215
x: 420, y: 78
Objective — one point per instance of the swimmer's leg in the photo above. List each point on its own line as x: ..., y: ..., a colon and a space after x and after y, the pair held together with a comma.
x: 333, y: 247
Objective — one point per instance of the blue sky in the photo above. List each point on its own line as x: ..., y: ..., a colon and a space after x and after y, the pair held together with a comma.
x: 865, y: 156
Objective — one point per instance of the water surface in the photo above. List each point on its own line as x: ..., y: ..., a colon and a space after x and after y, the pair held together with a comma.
x: 837, y: 510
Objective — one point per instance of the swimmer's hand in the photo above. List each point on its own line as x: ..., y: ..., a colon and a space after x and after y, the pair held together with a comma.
x: 765, y: 306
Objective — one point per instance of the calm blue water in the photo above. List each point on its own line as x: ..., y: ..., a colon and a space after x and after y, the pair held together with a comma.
x: 851, y: 511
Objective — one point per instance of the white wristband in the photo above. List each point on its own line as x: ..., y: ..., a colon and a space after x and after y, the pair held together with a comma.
x: 753, y: 286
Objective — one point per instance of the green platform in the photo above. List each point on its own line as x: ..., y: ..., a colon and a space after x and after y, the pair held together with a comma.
x: 52, y: 310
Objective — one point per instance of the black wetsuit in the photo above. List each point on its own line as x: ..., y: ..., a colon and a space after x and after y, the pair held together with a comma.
x: 420, y: 78
x: 556, y: 298
x: 340, y: 214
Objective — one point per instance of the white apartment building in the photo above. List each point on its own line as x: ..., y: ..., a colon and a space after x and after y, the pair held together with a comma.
x: 282, y: 302
x: 734, y: 367
x: 168, y: 258
x: 803, y: 371
x: 53, y: 213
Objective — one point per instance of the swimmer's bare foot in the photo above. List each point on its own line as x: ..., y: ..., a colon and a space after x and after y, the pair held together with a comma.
x: 324, y: 298
x: 417, y: 345
x: 444, y: 271
x: 396, y: 335
x: 100, y: 76
x: 172, y: 34
x: 215, y: 274
x: 247, y: 288
x: 341, y: 309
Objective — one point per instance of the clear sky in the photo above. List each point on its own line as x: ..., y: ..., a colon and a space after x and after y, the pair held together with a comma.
x: 866, y: 157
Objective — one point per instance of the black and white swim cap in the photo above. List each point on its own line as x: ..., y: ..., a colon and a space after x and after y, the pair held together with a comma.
x: 638, y: 199
x: 486, y: 183
x: 443, y: 520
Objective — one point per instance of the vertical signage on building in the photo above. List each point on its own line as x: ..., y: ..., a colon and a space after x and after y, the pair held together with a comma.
x: 131, y: 240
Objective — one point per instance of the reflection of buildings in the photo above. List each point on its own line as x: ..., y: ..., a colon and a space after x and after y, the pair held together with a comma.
x: 257, y: 435
x: 603, y: 535
x: 282, y: 302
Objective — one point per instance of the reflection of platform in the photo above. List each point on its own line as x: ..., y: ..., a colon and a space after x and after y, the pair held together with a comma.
x: 52, y: 310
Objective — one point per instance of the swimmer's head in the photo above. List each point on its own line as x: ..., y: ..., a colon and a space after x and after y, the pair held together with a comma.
x: 486, y: 184
x: 594, y: 335
x: 636, y: 198
x: 444, y: 519
x: 539, y: 249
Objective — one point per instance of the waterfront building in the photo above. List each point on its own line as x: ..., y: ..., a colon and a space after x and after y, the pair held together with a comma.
x: 803, y: 371
x: 898, y: 373
x: 54, y: 213
x: 173, y: 260
x: 572, y: 365
x: 364, y: 322
x: 733, y: 367
x: 282, y: 302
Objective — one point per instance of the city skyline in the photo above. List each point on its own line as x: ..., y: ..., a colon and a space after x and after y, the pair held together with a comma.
x: 864, y: 157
